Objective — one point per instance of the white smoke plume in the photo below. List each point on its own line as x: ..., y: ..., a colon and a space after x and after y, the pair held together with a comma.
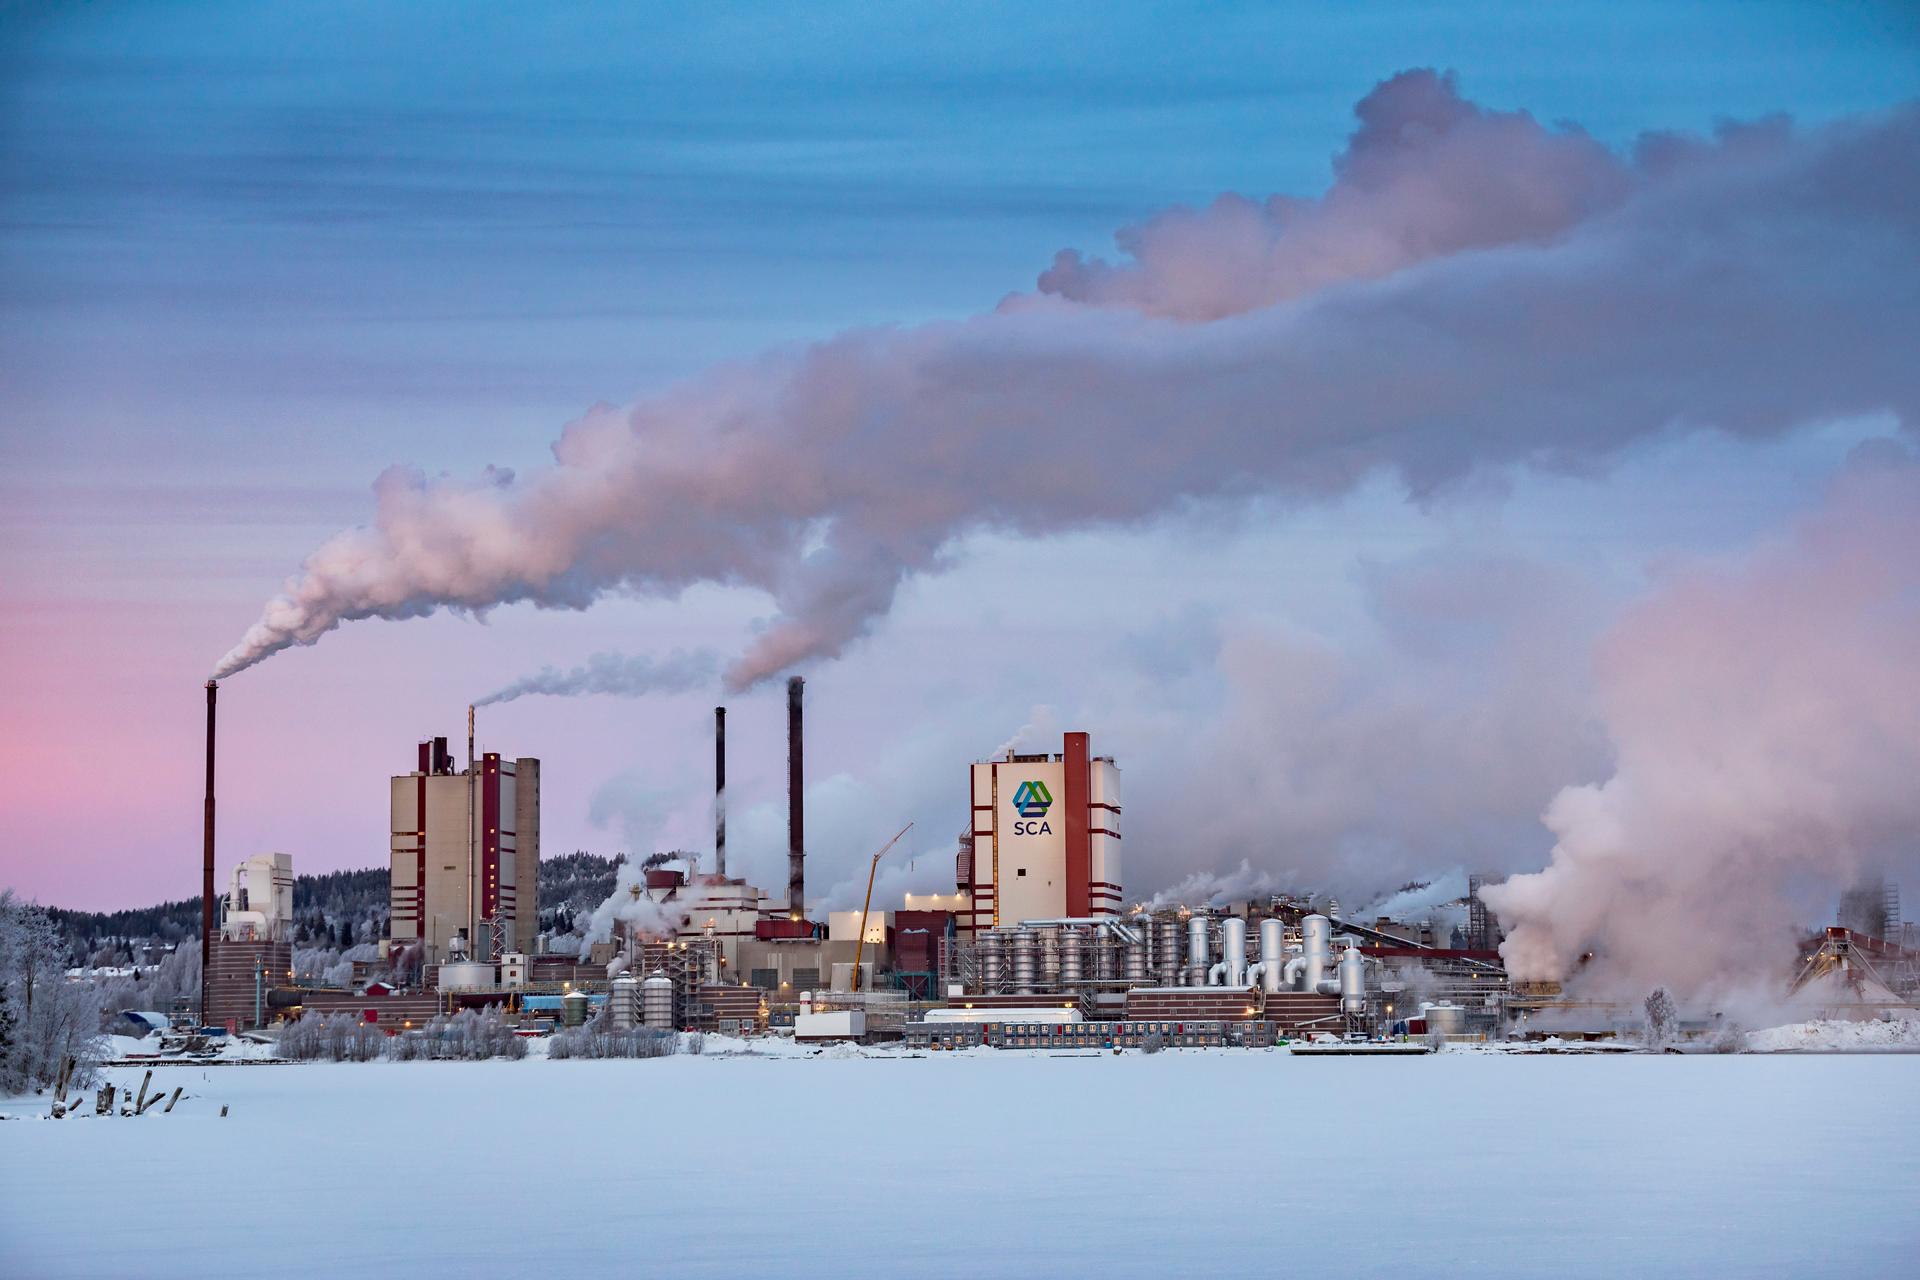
x: 1766, y: 721
x: 1216, y: 889
x: 1475, y: 291
x: 623, y: 675
x: 629, y: 906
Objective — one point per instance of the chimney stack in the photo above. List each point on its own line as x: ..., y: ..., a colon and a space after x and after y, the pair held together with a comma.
x: 796, y: 808
x: 206, y: 865
x: 720, y: 792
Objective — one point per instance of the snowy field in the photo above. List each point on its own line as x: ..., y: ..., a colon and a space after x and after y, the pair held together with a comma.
x: 1180, y: 1163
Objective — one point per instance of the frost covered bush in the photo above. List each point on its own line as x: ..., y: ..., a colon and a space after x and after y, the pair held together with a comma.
x: 598, y: 1039
x: 695, y: 1043
x: 340, y: 1038
x: 469, y: 1035
x: 1154, y: 1043
x: 44, y: 1018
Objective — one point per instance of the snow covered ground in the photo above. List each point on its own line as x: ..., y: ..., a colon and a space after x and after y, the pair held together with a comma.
x: 1184, y: 1162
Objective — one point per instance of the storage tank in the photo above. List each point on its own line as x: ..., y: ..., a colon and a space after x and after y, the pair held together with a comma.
x: 1233, y: 950
x: 1198, y: 958
x: 656, y: 1001
x: 1050, y: 959
x: 1136, y: 958
x: 1166, y: 950
x: 1445, y: 1017
x: 623, y: 1005
x: 573, y: 1009
x: 466, y: 975
x: 1353, y: 981
x: 1072, y: 952
x: 1273, y: 948
x: 1316, y: 933
x: 1023, y: 962
x: 992, y: 961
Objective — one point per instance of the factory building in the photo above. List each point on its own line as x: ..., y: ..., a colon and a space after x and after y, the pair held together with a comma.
x: 465, y: 855
x: 1045, y: 839
x: 252, y: 953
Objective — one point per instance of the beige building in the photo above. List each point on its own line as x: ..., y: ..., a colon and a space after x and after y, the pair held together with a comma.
x: 465, y: 854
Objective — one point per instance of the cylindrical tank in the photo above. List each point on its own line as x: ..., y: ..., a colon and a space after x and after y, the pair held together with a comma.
x: 466, y: 975
x: 1072, y: 953
x: 992, y: 959
x: 1136, y: 959
x: 1050, y: 959
x: 1166, y: 950
x: 1198, y: 958
x: 1023, y: 962
x: 573, y: 1008
x: 656, y: 1001
x: 1316, y: 935
x: 623, y: 1005
x: 1353, y: 981
x: 1447, y: 1018
x: 1233, y: 950
x: 1106, y: 956
x: 1273, y: 946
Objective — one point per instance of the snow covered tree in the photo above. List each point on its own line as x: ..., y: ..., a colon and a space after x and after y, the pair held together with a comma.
x: 47, y: 1017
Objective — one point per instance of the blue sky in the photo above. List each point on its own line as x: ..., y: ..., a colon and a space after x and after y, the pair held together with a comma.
x: 252, y: 255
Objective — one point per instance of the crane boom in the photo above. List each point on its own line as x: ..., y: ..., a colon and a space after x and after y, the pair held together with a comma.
x: 860, y: 946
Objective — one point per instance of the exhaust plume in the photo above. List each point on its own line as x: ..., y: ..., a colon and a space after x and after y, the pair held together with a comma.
x: 1474, y: 291
x: 629, y: 905
x: 1766, y: 722
x: 626, y: 676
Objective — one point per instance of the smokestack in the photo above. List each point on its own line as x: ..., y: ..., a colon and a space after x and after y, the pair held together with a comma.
x: 473, y: 848
x: 796, y: 808
x: 206, y: 864
x: 720, y: 791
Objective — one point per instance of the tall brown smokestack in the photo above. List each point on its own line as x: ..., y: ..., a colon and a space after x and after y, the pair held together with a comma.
x: 796, y: 808
x: 206, y: 864
x: 720, y: 791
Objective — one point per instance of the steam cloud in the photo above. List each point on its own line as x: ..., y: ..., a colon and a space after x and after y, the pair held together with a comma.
x: 1475, y: 290
x: 652, y: 920
x: 1766, y: 720
x: 627, y: 676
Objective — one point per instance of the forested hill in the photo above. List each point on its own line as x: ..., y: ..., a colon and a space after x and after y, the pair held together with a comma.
x: 339, y: 907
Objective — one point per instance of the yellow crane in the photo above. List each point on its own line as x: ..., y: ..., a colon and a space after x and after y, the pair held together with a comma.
x: 860, y: 947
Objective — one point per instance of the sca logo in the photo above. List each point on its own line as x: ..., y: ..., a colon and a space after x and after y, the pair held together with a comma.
x: 1031, y: 800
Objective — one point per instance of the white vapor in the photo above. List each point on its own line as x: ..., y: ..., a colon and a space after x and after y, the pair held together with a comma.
x: 1475, y: 290
x: 629, y: 905
x: 626, y: 676
x: 1766, y: 722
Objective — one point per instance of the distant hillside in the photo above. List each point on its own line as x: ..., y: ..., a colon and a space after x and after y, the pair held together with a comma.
x: 335, y: 908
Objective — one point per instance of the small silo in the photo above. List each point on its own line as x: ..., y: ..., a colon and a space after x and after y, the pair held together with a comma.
x: 1233, y: 950
x: 573, y: 1009
x: 1353, y: 982
x: 624, y: 1003
x: 1273, y: 953
x: 656, y: 1002
x: 1199, y: 952
x: 1166, y: 950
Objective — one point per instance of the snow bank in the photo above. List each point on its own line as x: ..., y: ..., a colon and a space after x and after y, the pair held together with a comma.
x: 1829, y: 1035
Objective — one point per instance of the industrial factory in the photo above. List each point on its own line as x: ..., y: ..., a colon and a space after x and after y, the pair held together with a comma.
x: 1035, y: 946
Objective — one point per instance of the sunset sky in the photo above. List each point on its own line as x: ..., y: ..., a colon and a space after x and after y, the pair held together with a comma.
x: 253, y: 256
